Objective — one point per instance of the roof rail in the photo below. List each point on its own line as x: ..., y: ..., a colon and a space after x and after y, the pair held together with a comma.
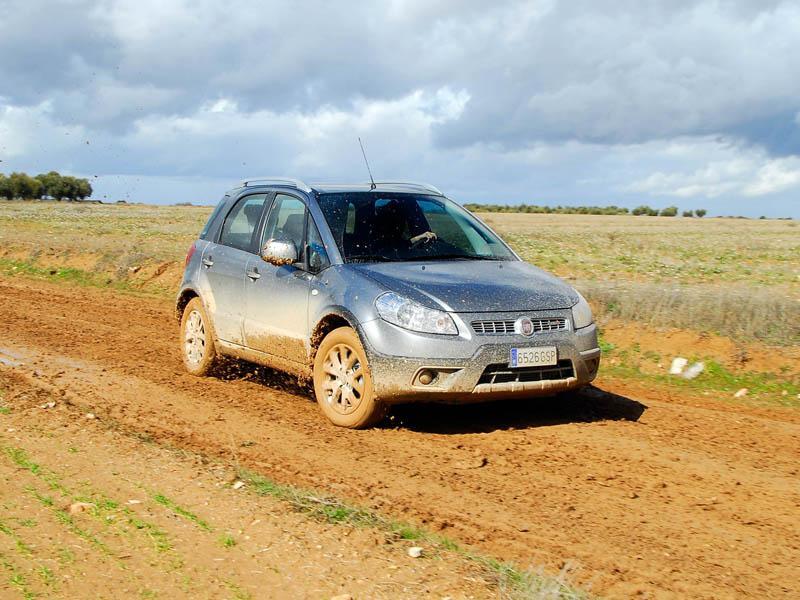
x: 413, y: 184
x: 277, y: 181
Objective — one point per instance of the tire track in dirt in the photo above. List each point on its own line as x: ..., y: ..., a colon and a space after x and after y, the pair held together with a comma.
x: 660, y: 495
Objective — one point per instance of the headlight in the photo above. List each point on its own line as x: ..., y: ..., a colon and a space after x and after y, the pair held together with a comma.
x: 408, y: 314
x: 582, y: 313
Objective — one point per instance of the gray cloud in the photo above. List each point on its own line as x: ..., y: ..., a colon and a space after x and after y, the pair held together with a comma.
x: 446, y: 88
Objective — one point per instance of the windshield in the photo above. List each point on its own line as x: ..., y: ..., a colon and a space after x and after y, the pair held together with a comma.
x: 382, y: 227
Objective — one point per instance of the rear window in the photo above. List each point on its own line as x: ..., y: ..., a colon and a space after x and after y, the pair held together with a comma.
x: 215, y: 213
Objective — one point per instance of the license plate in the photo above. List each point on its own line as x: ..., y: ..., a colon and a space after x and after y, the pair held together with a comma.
x: 540, y: 356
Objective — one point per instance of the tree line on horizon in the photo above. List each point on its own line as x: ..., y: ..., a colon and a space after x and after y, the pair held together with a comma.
x: 21, y: 186
x: 670, y: 211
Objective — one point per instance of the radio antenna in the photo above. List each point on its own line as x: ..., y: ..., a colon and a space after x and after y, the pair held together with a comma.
x: 372, y: 184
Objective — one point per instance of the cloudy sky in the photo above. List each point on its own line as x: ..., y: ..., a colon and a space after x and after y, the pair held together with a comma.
x: 695, y: 104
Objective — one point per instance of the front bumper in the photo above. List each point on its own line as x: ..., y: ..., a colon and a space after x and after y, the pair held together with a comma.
x: 474, y: 368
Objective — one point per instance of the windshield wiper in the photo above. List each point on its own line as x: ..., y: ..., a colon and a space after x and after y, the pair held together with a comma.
x: 367, y: 258
x: 449, y: 257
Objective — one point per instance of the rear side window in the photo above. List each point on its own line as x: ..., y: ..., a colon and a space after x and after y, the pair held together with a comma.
x: 240, y: 225
x: 213, y: 218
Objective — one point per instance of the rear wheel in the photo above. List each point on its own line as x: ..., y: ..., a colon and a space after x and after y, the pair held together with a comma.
x: 197, y: 340
x: 343, y: 383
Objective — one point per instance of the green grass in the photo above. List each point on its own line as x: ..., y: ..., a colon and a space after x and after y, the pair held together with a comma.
x: 227, y: 541
x: 512, y: 581
x: 101, y: 505
x: 73, y: 276
x: 4, y: 410
x: 179, y: 510
x: 763, y: 388
x: 16, y: 579
x: 21, y: 546
x: 47, y: 576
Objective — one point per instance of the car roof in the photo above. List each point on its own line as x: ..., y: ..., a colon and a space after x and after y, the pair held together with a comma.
x: 338, y: 188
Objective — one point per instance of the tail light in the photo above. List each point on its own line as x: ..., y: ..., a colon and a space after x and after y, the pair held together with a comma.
x: 189, y: 254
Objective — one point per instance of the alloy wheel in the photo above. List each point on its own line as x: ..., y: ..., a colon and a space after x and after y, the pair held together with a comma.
x: 344, y: 379
x: 195, y: 338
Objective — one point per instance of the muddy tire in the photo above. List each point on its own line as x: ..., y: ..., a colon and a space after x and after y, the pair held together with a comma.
x: 197, y: 340
x: 343, y: 382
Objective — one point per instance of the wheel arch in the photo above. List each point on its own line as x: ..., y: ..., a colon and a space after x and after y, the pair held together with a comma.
x: 332, y: 319
x: 184, y: 297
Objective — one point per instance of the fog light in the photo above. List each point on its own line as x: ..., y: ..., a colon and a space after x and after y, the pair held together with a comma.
x: 426, y: 377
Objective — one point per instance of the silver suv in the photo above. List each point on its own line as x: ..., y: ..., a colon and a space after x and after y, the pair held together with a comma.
x: 379, y: 294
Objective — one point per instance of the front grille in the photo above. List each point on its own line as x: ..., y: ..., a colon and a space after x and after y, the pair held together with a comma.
x: 500, y: 373
x: 506, y: 327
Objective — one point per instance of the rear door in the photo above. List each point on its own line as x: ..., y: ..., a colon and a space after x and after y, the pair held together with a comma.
x: 276, y: 320
x: 224, y: 262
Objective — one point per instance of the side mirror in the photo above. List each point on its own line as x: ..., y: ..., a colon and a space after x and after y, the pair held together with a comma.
x: 279, y: 252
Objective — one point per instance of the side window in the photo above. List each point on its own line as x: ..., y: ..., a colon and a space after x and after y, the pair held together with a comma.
x: 286, y: 221
x: 212, y: 218
x: 240, y: 224
x: 317, y: 256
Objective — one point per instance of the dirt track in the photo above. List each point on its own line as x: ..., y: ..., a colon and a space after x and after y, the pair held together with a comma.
x: 641, y: 491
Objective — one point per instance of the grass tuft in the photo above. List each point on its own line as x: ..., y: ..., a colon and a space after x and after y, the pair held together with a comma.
x: 186, y: 514
x: 512, y: 581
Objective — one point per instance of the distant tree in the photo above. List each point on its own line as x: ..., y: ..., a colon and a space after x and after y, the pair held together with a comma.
x: 642, y: 210
x: 24, y: 186
x: 70, y: 187
x: 700, y: 212
x: 59, y: 188
x: 84, y: 189
x: 5, y: 187
x: 670, y: 211
x: 687, y: 213
x: 51, y: 183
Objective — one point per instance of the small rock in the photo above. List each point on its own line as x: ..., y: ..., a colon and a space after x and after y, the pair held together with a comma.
x: 79, y: 507
x: 238, y: 485
x: 741, y: 393
x: 134, y: 501
x: 415, y: 552
x: 784, y: 393
x: 633, y: 495
x: 471, y: 463
x: 694, y: 370
x: 90, y: 416
x: 342, y: 597
x: 47, y: 405
x: 678, y: 365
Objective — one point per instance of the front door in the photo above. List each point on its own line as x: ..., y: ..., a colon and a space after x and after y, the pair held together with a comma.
x: 224, y: 263
x: 276, y: 297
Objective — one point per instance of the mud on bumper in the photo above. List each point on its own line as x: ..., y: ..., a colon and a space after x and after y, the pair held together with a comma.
x: 485, y: 375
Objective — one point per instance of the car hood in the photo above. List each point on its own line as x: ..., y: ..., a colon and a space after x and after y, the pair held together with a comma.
x: 473, y: 285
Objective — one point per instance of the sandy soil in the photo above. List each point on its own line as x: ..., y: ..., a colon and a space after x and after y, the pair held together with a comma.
x: 83, y: 515
x: 641, y: 491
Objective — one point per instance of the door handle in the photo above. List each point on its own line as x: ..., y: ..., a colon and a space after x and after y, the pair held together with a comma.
x: 253, y: 274
x: 208, y: 261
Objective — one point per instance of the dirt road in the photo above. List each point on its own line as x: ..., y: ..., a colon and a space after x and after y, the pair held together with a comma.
x: 641, y: 492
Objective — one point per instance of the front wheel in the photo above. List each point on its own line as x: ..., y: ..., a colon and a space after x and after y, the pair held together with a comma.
x: 343, y: 383
x: 197, y: 340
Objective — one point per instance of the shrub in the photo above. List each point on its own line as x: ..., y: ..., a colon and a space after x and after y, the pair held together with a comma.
x: 700, y: 212
x: 670, y: 211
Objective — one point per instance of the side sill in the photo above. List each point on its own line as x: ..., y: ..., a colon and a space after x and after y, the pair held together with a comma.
x: 264, y: 359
